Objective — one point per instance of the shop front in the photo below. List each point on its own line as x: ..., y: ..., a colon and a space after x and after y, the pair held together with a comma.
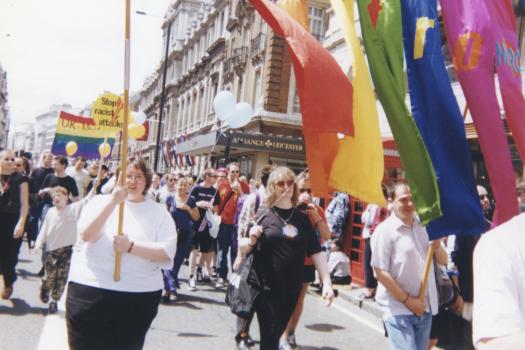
x: 252, y: 151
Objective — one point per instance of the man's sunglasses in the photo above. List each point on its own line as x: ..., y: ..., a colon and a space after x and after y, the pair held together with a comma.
x: 307, y: 190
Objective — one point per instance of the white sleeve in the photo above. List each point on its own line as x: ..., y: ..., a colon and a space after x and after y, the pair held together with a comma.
x: 167, y: 238
x: 91, y: 210
x: 246, y: 215
x: 42, y: 235
x: 108, y: 186
x: 367, y: 218
x: 497, y: 296
x: 381, y: 246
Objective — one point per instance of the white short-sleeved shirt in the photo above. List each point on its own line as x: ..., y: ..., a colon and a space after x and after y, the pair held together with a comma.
x: 146, y: 222
x: 339, y: 264
x: 499, y: 282
x: 82, y: 179
x: 401, y: 250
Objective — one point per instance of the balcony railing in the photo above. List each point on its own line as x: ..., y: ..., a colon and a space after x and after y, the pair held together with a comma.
x: 257, y: 44
x: 227, y: 65
x: 240, y: 55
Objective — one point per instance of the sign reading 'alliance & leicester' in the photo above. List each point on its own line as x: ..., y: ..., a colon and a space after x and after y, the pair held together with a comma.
x: 267, y: 143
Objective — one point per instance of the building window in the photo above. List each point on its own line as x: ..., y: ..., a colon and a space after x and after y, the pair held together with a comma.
x: 316, y: 22
x: 258, y: 87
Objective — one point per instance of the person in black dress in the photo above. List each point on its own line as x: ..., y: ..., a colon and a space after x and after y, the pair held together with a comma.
x: 14, y: 206
x: 283, y: 236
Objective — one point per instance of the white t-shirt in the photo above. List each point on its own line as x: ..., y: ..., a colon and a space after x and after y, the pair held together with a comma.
x: 402, y: 251
x: 163, y: 194
x: 60, y: 227
x: 499, y: 282
x: 146, y: 223
x: 339, y: 264
x: 82, y: 179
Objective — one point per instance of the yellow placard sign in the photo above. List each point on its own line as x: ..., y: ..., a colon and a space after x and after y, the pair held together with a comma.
x: 108, y: 112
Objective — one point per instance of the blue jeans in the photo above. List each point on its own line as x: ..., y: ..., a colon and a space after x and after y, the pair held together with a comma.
x: 171, y: 277
x: 409, y: 332
x: 226, y: 239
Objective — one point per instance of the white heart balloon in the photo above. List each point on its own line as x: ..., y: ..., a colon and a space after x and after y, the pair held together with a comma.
x: 139, y: 117
x: 223, y: 104
x: 243, y: 113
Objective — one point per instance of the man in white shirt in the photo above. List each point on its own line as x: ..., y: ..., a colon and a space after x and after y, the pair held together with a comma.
x: 80, y: 175
x: 399, y: 249
x: 499, y: 275
x: 168, y: 190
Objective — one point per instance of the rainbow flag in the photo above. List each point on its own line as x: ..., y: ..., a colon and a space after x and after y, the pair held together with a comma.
x: 81, y: 130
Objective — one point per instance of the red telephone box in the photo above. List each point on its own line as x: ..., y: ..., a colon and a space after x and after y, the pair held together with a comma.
x: 353, y: 240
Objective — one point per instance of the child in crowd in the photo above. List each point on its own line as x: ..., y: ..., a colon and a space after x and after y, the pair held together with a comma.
x: 339, y: 264
x: 59, y: 233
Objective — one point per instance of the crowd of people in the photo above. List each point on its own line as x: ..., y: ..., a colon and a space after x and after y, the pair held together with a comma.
x: 212, y: 222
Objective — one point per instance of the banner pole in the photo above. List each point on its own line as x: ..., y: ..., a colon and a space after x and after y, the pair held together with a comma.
x: 424, y: 279
x: 102, y: 156
x: 465, y: 111
x: 124, y: 154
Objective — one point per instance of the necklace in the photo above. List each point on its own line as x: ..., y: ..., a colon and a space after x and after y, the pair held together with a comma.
x: 285, y: 221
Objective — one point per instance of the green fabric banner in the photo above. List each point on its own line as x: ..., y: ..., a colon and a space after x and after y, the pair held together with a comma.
x: 383, y: 37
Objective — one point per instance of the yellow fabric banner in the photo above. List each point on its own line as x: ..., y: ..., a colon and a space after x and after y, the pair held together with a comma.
x: 359, y: 164
x: 298, y: 10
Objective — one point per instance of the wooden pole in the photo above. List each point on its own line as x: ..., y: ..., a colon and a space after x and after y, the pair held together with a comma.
x: 465, y: 111
x: 124, y: 140
x: 102, y: 156
x: 424, y: 279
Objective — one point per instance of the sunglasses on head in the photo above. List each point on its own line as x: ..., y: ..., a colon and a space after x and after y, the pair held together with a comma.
x: 288, y: 183
x: 307, y: 190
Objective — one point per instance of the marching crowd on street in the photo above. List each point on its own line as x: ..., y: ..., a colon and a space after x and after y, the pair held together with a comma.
x: 222, y: 223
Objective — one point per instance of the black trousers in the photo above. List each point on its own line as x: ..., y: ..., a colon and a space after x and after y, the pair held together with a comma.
x: 370, y: 281
x: 9, y: 248
x: 273, y: 313
x: 105, y: 319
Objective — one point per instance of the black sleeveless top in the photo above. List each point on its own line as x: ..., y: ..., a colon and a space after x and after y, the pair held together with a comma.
x: 10, y: 195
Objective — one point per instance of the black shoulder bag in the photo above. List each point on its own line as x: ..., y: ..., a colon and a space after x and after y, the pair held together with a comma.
x: 244, y: 284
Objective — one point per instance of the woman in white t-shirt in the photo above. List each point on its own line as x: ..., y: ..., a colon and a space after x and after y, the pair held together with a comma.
x: 102, y: 313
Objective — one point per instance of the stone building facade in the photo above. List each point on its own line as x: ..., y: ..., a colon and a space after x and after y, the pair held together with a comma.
x: 4, y: 110
x: 224, y: 45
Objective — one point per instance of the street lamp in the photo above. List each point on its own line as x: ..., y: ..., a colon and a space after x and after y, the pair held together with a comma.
x: 163, y: 91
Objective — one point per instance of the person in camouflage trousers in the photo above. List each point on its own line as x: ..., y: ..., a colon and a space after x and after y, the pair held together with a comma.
x: 59, y: 233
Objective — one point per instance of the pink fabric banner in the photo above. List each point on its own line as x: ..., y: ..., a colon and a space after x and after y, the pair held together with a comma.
x: 507, y: 58
x: 471, y: 40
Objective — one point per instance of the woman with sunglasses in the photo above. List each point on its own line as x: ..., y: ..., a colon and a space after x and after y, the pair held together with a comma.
x: 283, y: 236
x: 14, y: 206
x: 102, y: 313
x: 317, y: 218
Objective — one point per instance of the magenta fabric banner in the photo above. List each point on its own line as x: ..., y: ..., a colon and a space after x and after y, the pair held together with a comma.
x: 507, y: 58
x: 470, y: 35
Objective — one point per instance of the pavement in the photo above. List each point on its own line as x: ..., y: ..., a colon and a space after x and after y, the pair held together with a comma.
x: 356, y: 295
x: 197, y: 320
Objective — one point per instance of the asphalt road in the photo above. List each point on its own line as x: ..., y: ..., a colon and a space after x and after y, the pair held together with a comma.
x: 198, y: 320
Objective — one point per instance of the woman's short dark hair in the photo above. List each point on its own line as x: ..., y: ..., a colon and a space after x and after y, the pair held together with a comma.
x: 142, y: 165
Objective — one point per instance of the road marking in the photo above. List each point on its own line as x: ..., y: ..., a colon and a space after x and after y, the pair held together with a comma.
x: 357, y: 318
x: 54, y: 332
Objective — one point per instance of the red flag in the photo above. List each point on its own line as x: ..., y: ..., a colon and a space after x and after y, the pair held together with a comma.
x: 325, y: 93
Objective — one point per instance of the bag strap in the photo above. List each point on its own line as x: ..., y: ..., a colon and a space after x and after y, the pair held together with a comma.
x: 230, y: 195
